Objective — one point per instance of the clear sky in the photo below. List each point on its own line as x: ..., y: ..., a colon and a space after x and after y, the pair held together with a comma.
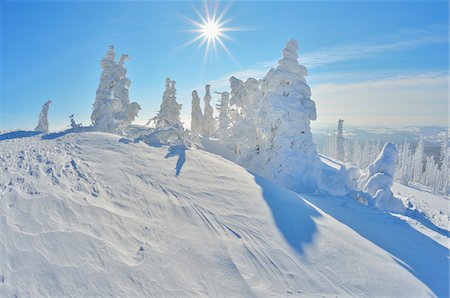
x: 371, y: 63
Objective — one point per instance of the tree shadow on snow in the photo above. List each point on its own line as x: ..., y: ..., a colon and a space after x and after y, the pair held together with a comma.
x: 420, y: 217
x: 180, y: 151
x: 293, y: 216
x: 18, y: 134
x: 417, y: 253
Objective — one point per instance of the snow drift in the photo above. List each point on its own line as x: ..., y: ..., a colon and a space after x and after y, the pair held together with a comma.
x: 95, y: 214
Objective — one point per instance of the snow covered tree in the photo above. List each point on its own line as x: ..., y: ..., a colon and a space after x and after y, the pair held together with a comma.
x: 445, y: 164
x: 287, y: 153
x: 73, y: 124
x: 431, y: 173
x: 378, y: 179
x: 170, y: 109
x: 403, y: 172
x: 196, y: 115
x: 340, y: 141
x: 224, y: 127
x: 112, y: 109
x: 43, y: 118
x: 237, y: 100
x: 418, y: 161
x: 209, y: 124
x: 244, y: 126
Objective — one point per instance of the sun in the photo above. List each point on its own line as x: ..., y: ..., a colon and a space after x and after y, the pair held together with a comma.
x: 210, y: 29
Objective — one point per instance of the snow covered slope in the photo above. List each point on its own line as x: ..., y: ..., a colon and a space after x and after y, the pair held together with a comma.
x: 91, y: 214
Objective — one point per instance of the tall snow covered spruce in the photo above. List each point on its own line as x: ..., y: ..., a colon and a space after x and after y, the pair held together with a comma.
x: 43, y: 118
x: 170, y: 109
x: 196, y: 115
x: 287, y: 153
x: 112, y: 109
x: 209, y: 124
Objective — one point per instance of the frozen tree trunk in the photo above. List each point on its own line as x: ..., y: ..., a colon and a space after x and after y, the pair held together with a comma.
x: 112, y: 109
x: 287, y: 153
x: 340, y: 141
x: 43, y: 118
x: 209, y: 124
x: 196, y: 115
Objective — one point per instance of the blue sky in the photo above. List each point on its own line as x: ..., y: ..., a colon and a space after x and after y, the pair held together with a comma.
x: 371, y: 63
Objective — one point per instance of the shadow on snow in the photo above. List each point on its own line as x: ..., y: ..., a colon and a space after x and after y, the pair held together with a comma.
x: 292, y: 214
x: 180, y: 151
x: 55, y: 135
x: 18, y: 134
x: 417, y: 253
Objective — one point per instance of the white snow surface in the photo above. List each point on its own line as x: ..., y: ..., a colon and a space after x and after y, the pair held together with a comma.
x: 93, y: 214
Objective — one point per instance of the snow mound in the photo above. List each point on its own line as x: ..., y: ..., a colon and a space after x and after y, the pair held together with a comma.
x: 378, y: 179
x: 92, y: 214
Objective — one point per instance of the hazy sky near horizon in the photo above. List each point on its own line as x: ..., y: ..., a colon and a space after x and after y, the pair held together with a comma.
x: 370, y: 63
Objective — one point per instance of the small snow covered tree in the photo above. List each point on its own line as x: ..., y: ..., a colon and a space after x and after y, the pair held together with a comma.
x: 43, y: 118
x: 340, y: 141
x: 73, y: 124
x: 287, y: 153
x: 112, y: 109
x: 418, y: 161
x: 209, y: 124
x: 378, y: 179
x: 403, y: 172
x: 196, y: 115
x: 170, y: 109
x: 431, y: 175
x: 445, y: 164
x: 224, y: 127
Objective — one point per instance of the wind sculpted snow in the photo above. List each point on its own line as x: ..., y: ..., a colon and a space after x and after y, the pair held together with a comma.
x: 91, y: 214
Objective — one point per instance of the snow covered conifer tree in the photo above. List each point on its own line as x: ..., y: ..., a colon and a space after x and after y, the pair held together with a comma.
x: 418, y: 161
x: 209, y: 124
x: 403, y: 172
x: 378, y: 179
x: 288, y: 154
x: 170, y: 109
x: 196, y: 115
x: 112, y: 109
x: 43, y: 118
x: 340, y: 141
x: 445, y: 164
x: 431, y: 175
x: 237, y: 100
x: 244, y: 134
x: 223, y: 106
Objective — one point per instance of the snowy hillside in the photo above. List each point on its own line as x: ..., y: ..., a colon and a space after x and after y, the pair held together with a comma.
x: 93, y: 214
